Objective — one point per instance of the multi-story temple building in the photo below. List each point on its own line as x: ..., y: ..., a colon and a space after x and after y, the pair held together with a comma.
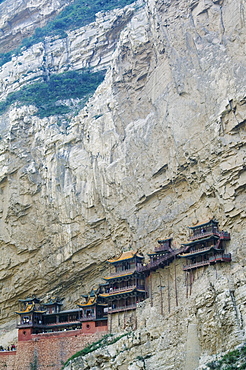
x: 125, y: 285
x: 35, y: 318
x: 206, y: 246
x: 93, y: 311
x: 30, y: 317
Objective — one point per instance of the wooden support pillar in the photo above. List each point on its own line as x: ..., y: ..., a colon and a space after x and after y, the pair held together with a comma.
x: 175, y: 282
x: 150, y: 290
x: 186, y: 284
x: 161, y: 296
x: 110, y: 323
x: 161, y: 301
x: 168, y: 290
x: 191, y: 276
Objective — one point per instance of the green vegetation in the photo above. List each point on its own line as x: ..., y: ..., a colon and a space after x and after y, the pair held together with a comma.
x: 34, y: 364
x: 231, y: 361
x: 45, y: 95
x: 75, y: 15
x: 105, y: 341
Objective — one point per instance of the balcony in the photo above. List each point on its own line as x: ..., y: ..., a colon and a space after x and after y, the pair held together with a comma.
x: 122, y: 308
x: 200, y: 251
x: 220, y: 258
x: 29, y: 325
x: 196, y: 265
x: 223, y: 235
x: 210, y: 261
x: 126, y: 289
x: 61, y: 323
x: 88, y: 318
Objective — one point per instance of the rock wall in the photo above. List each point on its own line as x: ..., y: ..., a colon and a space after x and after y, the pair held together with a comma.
x: 91, y: 46
x: 160, y: 146
x: 18, y: 19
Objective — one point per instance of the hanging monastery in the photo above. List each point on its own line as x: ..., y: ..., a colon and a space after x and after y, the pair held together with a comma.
x: 44, y: 329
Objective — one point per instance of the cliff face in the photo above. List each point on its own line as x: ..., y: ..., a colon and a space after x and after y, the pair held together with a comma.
x: 158, y: 147
x: 18, y: 19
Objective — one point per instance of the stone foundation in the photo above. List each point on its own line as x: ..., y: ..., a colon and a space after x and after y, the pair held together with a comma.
x: 49, y: 350
x: 7, y: 360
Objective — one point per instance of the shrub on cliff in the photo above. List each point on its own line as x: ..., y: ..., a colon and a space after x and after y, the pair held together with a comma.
x: 75, y: 15
x: 231, y: 361
x: 64, y: 86
x: 106, y: 340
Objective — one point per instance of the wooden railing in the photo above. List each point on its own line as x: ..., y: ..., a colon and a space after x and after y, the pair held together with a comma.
x: 196, y: 264
x: 30, y: 323
x: 155, y: 264
x: 123, y: 272
x: 62, y: 322
x: 119, y: 290
x: 221, y: 234
x: 88, y: 318
x: 221, y: 257
x: 122, y: 308
x: 126, y: 288
x: 212, y: 259
x: 205, y: 249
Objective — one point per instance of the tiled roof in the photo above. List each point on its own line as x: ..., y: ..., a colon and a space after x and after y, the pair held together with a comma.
x: 204, y: 224
x: 91, y: 301
x: 125, y: 256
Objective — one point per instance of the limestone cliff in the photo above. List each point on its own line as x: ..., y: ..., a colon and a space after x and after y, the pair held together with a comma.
x: 18, y: 19
x: 159, y: 146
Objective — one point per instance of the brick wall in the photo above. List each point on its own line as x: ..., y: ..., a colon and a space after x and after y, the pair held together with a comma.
x: 7, y: 360
x: 51, y: 350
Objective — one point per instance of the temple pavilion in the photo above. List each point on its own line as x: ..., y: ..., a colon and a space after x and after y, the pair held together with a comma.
x: 34, y: 317
x: 125, y: 285
x: 30, y: 312
x: 93, y: 309
x: 30, y: 316
x: 206, y: 246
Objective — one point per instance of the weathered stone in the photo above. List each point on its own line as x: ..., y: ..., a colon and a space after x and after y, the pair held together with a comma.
x: 18, y: 19
x: 158, y: 147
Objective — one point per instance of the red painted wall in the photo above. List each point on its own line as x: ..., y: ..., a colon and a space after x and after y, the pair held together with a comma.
x: 24, y: 334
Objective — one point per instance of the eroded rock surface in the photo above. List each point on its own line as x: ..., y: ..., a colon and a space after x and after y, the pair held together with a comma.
x: 19, y: 18
x: 160, y: 146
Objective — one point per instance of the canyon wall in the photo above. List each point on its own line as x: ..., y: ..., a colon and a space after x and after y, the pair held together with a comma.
x: 18, y: 19
x: 159, y: 146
